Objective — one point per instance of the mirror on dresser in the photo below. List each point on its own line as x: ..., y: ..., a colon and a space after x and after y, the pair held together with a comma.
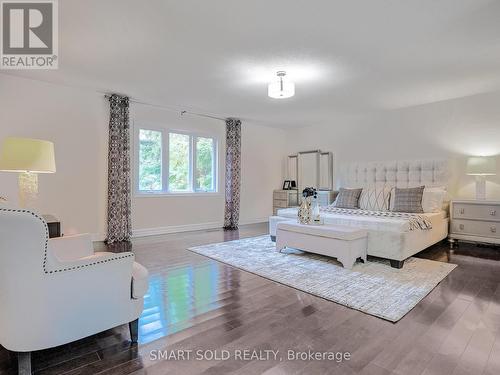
x: 325, y: 171
x: 308, y: 169
x: 312, y: 168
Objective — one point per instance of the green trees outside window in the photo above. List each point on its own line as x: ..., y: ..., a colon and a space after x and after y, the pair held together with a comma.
x: 150, y: 160
x: 204, y: 164
x: 178, y: 162
x: 190, y: 162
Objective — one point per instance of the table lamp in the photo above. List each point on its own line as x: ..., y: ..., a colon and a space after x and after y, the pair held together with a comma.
x: 481, y: 166
x: 28, y: 157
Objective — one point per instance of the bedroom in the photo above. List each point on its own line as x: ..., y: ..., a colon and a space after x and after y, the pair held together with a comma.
x: 374, y: 82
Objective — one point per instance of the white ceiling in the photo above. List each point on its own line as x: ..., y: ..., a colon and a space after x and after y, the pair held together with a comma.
x: 346, y: 57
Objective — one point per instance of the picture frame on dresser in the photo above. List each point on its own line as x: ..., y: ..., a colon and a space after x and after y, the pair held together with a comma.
x: 474, y: 221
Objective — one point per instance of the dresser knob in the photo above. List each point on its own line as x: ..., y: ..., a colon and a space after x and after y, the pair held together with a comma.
x: 493, y: 229
x: 493, y: 213
x: 461, y: 226
x: 462, y: 211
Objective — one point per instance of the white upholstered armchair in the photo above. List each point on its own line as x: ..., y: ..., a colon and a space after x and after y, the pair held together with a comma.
x: 56, y: 291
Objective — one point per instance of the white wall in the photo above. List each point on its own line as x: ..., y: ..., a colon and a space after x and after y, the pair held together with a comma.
x: 76, y: 120
x: 262, y: 149
x: 449, y: 129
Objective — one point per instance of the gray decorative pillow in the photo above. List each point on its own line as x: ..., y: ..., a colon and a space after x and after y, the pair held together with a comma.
x: 348, y: 198
x: 408, y: 200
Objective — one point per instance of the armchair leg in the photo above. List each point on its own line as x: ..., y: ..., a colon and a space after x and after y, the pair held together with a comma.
x: 24, y: 363
x: 134, y: 331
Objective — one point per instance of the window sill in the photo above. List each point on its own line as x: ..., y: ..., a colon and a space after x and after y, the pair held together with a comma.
x: 177, y: 194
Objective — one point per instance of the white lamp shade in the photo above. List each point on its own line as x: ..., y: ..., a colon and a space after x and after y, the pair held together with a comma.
x: 482, y: 166
x: 27, y: 155
x: 281, y: 89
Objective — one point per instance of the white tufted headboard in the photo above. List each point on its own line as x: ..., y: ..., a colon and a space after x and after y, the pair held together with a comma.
x: 394, y: 173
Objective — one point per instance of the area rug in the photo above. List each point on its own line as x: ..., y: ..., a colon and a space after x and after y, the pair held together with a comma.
x: 373, y: 287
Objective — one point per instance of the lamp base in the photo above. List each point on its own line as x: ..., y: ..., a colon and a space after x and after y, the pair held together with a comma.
x: 28, y: 188
x: 480, y: 188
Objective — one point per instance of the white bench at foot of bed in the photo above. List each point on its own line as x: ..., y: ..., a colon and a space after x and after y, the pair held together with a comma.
x: 273, y: 223
x: 345, y: 243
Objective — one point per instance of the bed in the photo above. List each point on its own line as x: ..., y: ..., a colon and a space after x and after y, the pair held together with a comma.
x: 391, y: 237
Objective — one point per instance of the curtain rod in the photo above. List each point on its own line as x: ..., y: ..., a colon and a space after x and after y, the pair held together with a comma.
x: 107, y: 96
x: 182, y: 112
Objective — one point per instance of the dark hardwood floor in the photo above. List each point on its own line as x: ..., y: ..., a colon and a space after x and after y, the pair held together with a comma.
x: 197, y: 303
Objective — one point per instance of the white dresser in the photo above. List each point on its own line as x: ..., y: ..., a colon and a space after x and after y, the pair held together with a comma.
x: 284, y: 199
x: 477, y: 221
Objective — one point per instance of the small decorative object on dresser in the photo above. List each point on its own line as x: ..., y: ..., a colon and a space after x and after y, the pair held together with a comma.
x: 476, y: 221
x: 284, y: 199
x: 286, y: 185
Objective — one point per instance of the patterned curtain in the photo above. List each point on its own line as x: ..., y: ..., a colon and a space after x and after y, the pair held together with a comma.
x: 119, y: 220
x: 233, y: 173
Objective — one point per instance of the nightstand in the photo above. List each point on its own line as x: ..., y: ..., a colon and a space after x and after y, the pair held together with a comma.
x: 54, y: 225
x: 475, y: 221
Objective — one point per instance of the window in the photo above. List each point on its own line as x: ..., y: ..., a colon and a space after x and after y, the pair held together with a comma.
x: 178, y: 162
x: 175, y: 162
x: 150, y: 165
x: 204, y: 164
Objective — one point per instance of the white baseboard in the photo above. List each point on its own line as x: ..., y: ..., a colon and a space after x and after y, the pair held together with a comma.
x: 98, y: 237
x: 255, y: 221
x: 189, y: 227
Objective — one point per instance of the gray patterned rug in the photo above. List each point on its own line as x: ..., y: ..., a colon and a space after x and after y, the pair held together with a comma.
x: 374, y: 288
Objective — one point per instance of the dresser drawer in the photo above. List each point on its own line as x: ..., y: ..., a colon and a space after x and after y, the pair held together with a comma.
x: 476, y: 211
x: 476, y: 228
x: 280, y: 195
x: 280, y: 203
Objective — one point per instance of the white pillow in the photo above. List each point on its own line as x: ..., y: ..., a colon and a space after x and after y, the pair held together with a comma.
x: 432, y: 199
x: 375, y: 198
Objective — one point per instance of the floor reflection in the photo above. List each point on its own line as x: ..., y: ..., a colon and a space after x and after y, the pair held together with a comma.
x: 177, y: 297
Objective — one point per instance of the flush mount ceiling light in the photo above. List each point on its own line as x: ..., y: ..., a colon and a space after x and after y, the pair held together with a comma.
x: 281, y: 88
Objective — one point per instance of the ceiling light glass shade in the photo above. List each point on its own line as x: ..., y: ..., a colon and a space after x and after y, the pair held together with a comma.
x: 482, y: 166
x: 27, y: 155
x: 282, y: 88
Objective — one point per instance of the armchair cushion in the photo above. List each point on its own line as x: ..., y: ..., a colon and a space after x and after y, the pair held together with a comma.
x: 87, y: 261
x: 139, y: 280
x: 71, y: 247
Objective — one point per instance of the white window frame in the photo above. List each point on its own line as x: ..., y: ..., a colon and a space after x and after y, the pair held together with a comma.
x: 165, y: 152
x: 215, y: 153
